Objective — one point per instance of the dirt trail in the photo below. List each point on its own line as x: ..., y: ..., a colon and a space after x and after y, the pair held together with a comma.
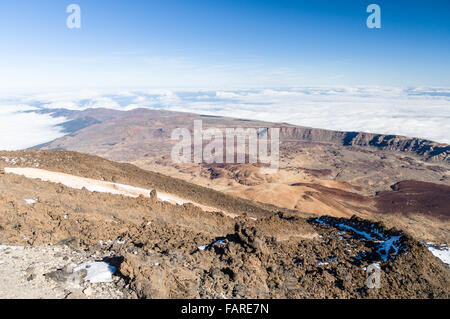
x: 93, y: 185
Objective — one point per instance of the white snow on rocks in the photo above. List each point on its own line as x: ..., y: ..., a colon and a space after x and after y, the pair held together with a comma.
x: 4, y: 247
x: 390, y: 242
x: 97, y: 272
x: 20, y: 161
x: 169, y: 198
x: 111, y: 242
x: 442, y: 253
x: 386, y: 242
x: 217, y: 243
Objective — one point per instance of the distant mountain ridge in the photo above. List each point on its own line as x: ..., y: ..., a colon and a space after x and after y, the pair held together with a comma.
x: 428, y: 150
x: 80, y: 120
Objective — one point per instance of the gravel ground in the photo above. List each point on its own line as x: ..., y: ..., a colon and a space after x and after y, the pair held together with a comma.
x: 47, y: 273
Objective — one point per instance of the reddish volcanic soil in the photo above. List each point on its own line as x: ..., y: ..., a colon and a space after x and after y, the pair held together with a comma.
x: 334, y: 192
x: 410, y: 197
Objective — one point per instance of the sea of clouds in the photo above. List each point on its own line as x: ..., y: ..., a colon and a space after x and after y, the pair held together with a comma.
x: 416, y: 112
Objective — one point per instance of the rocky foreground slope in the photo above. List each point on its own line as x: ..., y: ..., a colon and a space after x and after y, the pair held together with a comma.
x: 159, y: 250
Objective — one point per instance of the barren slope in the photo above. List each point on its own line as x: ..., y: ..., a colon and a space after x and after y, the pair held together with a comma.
x: 322, y: 172
x: 163, y: 250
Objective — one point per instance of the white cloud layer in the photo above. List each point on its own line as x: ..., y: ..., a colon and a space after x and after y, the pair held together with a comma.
x: 417, y: 112
x: 19, y: 130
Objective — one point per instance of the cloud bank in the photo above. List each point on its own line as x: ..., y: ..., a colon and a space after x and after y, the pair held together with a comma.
x: 416, y: 112
x: 20, y: 129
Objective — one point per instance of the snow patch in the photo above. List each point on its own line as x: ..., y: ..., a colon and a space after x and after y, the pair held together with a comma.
x: 111, y: 242
x: 93, y: 185
x: 97, y: 272
x: 169, y: 198
x: 217, y: 243
x: 386, y: 242
x: 442, y: 253
x: 322, y: 263
x: 3, y: 247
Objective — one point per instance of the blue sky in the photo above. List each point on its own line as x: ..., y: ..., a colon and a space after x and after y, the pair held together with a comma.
x: 223, y: 44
